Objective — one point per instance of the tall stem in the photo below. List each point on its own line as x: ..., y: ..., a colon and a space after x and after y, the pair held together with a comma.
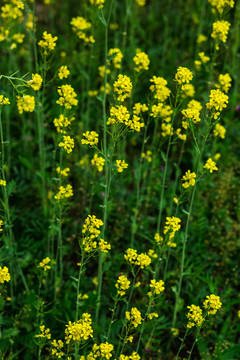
x: 107, y: 170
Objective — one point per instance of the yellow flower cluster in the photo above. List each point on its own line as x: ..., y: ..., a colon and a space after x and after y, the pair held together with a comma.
x: 217, y: 102
x: 159, y: 88
x: 210, y: 165
x: 91, y: 138
x: 183, y: 75
x: 63, y: 72
x: 48, y: 42
x: 147, y: 155
x: 116, y: 57
x: 122, y: 285
x: 220, y: 30
x: 163, y: 111
x: 67, y: 144
x: 188, y: 90
x: 98, y: 3
x: 220, y: 4
x: 56, y: 350
x: 80, y: 330
x: 134, y: 355
x: 120, y: 114
x: 64, y: 192
x: 12, y: 10
x: 189, y: 179
x: 45, y: 264
x: 1, y: 225
x: 194, y: 316
x: 3, y: 182
x: 158, y: 238
x: 25, y: 103
x: 141, y: 2
x: 4, y: 275
x: 224, y: 82
x: 134, y: 258
x: 212, y: 304
x: 45, y: 333
x: 90, y: 232
x: 36, y: 82
x: 122, y: 87
x: 192, y: 113
x: 219, y: 131
x: 172, y: 225
x: 98, y: 161
x: 138, y: 108
x: 157, y: 287
x: 121, y: 165
x: 4, y: 100
x: 80, y: 26
x: 102, y: 351
x: 62, y: 122
x: 64, y: 172
x: 141, y: 60
x: 134, y: 316
x: 67, y: 96
x: 152, y: 315
x: 104, y: 246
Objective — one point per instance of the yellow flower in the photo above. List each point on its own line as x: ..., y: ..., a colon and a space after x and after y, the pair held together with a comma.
x: 67, y: 144
x: 1, y: 225
x: 220, y: 4
x: 98, y: 3
x: 57, y: 346
x: 64, y: 172
x: 212, y: 304
x: 116, y: 56
x: 141, y: 60
x: 217, y: 102
x: 122, y: 87
x: 183, y: 75
x: 157, y: 287
x: 80, y: 330
x: 48, y: 43
x: 203, y: 57
x: 210, y: 165
x: 64, y: 192
x: 98, y: 162
x: 219, y: 131
x: 36, y: 82
x: 25, y: 103
x: 121, y: 165
x: 44, y: 264
x: 220, y: 30
x: 152, y: 315
x: 225, y: 82
x: 188, y: 90
x: 80, y: 27
x: 194, y: 316
x: 147, y: 156
x: 104, y: 246
x: 189, y: 179
x: 4, y: 100
x: 4, y: 275
x: 134, y: 316
x: 159, y: 88
x: 67, y: 96
x: 91, y: 138
x: 122, y: 285
x: 45, y: 333
x: 141, y: 2
x: 3, y: 182
x: 138, y: 108
x: 63, y: 72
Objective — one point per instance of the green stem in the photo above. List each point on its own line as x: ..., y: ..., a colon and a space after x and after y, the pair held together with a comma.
x: 196, y: 339
x: 182, y: 344
x: 107, y: 171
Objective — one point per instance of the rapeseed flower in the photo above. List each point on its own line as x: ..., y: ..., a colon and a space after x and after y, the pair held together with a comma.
x: 4, y: 275
x: 141, y: 60
x: 122, y: 87
x: 189, y: 179
x: 122, y: 285
x: 210, y: 165
x: 63, y: 72
x: 194, y: 316
x: 36, y: 82
x: 48, y: 42
x: 25, y: 103
x: 134, y: 316
x: 212, y: 304
x: 91, y: 138
x: 67, y: 144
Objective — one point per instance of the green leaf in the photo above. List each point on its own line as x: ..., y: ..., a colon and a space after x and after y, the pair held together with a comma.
x: 102, y: 18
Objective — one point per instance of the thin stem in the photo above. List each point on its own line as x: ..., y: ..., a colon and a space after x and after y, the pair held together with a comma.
x: 196, y: 339
x: 182, y: 344
x: 107, y: 171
